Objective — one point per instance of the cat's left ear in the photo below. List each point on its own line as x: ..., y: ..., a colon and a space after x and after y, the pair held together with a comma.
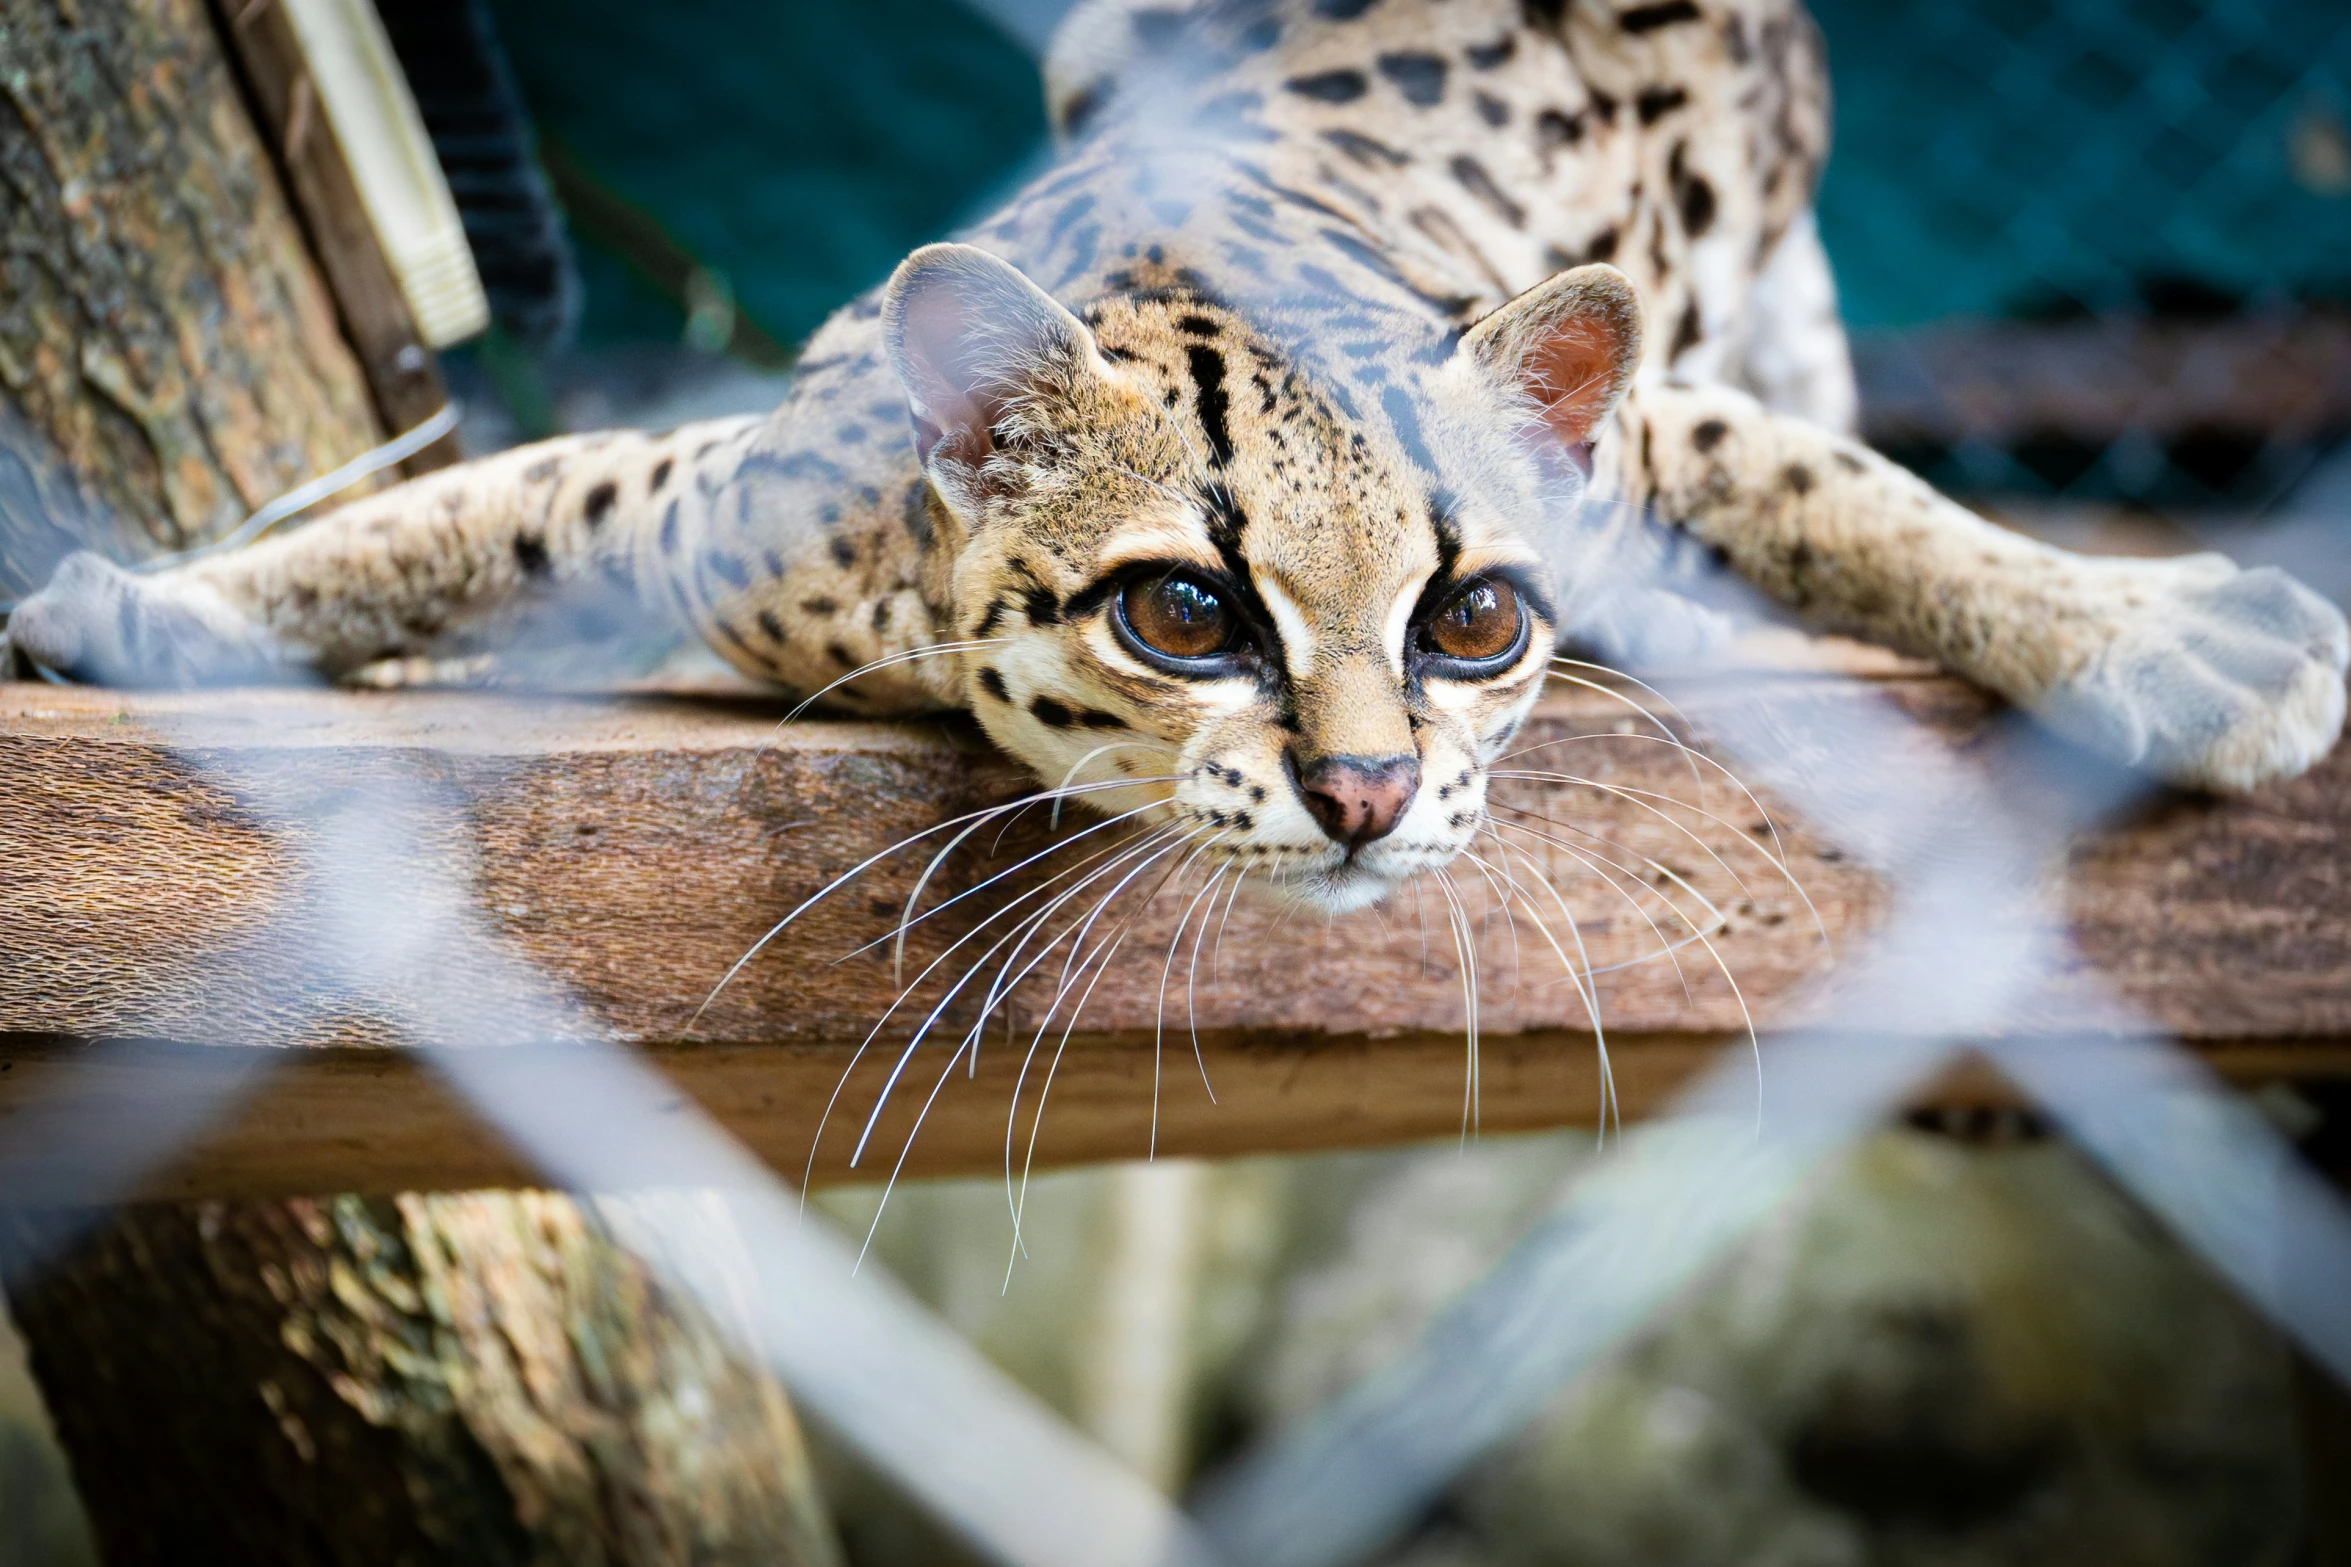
x: 973, y: 341
x: 1569, y: 346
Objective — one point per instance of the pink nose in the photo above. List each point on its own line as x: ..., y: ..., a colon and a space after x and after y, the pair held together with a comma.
x: 1358, y: 799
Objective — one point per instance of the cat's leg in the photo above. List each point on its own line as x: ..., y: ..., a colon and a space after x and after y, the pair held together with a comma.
x: 2199, y: 672
x: 795, y: 544
x: 449, y: 564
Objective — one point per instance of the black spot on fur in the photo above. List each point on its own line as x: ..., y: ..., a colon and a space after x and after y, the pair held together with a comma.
x: 1261, y: 35
x: 660, y: 476
x: 772, y: 626
x: 1473, y: 178
x: 1366, y: 151
x: 1342, y: 10
x: 1708, y: 433
x: 1492, y: 110
x: 1543, y: 13
x: 1447, y: 529
x: 990, y: 620
x: 1691, y: 194
x: 1042, y: 607
x: 1079, y: 113
x: 1484, y: 57
x: 1330, y: 86
x: 1602, y: 247
x: 530, y: 553
x: 1555, y: 128
x: 1095, y: 718
x: 1198, y: 326
x: 1207, y: 367
x: 1158, y: 28
x: 1603, y: 104
x: 1688, y: 332
x: 1848, y: 462
x: 840, y: 655
x: 993, y: 683
x: 822, y: 604
x: 1649, y: 18
x: 1418, y: 76
x: 1655, y: 103
x: 1697, y: 201
x: 843, y: 551
x: 726, y: 568
x: 1798, y: 478
x: 915, y: 514
x: 1051, y: 714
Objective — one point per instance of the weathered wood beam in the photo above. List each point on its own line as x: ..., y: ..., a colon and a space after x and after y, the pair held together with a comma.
x: 155, y: 889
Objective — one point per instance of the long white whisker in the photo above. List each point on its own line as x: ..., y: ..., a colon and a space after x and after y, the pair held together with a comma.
x: 1639, y: 799
x: 906, y: 919
x: 1587, y: 988
x: 1166, y: 972
x: 1667, y: 947
x: 1457, y: 920
x: 906, y: 656
x: 849, y: 875
x: 1054, y: 822
x: 1778, y: 860
x: 907, y: 1054
x: 1012, y: 1123
x: 1027, y: 922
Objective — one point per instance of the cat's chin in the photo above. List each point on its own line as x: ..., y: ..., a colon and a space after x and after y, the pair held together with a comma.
x: 1345, y: 888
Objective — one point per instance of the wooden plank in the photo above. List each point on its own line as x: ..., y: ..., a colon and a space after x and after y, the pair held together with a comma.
x: 401, y: 370
x: 632, y: 849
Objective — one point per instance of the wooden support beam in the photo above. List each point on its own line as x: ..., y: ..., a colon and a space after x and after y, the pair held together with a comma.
x: 156, y: 890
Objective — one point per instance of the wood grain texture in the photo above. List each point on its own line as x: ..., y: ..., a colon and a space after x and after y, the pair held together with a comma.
x: 157, y: 887
x: 163, y: 334
x: 401, y: 371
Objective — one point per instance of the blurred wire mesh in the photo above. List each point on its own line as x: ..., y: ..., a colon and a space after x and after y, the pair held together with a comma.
x: 2092, y: 251
x: 2097, y: 249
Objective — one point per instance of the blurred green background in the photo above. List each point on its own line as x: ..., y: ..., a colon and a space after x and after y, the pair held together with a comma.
x: 1993, y: 157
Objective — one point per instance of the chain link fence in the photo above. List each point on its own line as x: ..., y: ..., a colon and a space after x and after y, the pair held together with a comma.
x: 2097, y: 249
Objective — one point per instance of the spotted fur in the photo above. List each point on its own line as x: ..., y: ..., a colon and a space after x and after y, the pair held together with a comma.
x: 1337, y: 302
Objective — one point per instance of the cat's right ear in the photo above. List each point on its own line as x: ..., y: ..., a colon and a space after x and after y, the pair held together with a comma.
x: 975, y: 344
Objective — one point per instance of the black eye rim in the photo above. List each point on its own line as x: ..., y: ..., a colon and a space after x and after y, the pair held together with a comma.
x: 1431, y: 661
x: 1227, y: 663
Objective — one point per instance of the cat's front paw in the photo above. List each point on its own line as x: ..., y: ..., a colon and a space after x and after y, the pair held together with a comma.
x: 2212, y: 677
x: 96, y: 622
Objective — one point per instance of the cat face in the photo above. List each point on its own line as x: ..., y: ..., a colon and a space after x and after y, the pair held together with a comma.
x: 1198, y: 590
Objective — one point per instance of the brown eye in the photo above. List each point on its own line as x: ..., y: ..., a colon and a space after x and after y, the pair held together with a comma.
x: 1479, y: 623
x: 1178, y: 616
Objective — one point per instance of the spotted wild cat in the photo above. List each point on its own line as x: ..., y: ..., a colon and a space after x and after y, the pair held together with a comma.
x: 1255, y: 457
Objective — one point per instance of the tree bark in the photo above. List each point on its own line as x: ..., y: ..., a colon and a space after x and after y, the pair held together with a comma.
x: 164, y: 335
x: 486, y: 1378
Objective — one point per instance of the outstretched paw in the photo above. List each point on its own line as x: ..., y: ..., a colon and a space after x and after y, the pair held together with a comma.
x: 2213, y: 677
x: 98, y: 623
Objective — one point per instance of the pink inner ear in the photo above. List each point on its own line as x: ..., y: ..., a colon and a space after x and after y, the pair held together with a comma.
x: 1572, y: 373
x: 941, y: 358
